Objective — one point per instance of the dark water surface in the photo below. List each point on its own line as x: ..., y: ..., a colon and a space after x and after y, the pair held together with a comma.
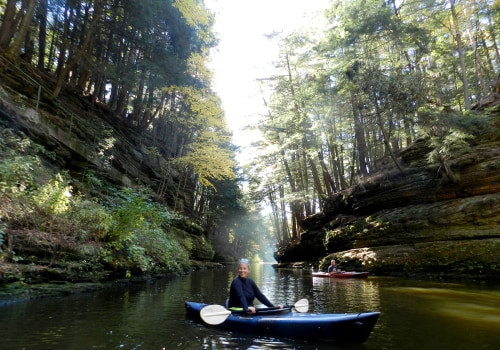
x: 415, y: 314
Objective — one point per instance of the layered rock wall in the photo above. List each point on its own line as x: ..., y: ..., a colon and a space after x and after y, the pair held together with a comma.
x: 417, y: 222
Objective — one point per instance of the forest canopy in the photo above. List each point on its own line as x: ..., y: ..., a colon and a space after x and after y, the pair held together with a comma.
x: 346, y: 99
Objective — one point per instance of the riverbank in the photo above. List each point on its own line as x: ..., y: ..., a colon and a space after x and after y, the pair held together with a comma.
x: 20, y: 290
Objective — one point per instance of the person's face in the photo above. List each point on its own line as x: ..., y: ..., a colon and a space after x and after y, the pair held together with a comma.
x: 243, y: 270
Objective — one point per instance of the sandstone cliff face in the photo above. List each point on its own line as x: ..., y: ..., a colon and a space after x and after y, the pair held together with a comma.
x: 85, y: 138
x: 422, y: 222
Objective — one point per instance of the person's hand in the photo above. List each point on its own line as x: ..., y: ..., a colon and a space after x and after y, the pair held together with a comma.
x: 280, y: 306
x: 251, y: 310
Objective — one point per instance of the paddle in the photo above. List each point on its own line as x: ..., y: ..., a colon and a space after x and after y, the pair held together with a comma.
x: 216, y: 314
x: 302, y: 305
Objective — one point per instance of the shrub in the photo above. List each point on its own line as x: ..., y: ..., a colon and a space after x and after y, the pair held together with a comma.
x: 19, y: 161
x: 95, y: 220
x: 138, y: 238
x: 54, y: 197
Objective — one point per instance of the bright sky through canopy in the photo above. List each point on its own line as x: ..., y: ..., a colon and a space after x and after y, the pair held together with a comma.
x: 244, y: 53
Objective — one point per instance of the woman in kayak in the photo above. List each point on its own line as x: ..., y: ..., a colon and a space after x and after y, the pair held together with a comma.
x: 244, y: 290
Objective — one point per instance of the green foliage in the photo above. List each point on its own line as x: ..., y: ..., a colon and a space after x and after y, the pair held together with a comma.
x: 150, y: 250
x: 199, y: 247
x: 440, y: 122
x: 16, y: 173
x: 132, y: 212
x: 209, y: 161
x: 91, y: 179
x: 451, y: 132
x: 137, y: 240
x: 95, y: 221
x: 54, y: 197
x: 209, y: 154
x: 129, y: 231
x: 53, y: 208
x: 19, y: 161
x: 164, y: 250
x: 331, y: 235
x: 449, y: 146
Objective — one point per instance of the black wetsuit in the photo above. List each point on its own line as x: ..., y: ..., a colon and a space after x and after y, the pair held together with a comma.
x: 242, y: 293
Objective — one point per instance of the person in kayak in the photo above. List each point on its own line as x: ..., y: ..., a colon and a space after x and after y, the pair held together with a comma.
x: 243, y: 290
x: 333, y: 267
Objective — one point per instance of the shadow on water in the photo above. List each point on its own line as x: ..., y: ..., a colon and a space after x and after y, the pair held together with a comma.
x: 415, y: 314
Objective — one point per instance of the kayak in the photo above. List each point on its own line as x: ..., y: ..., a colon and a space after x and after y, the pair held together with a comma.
x: 352, y: 274
x: 340, y: 328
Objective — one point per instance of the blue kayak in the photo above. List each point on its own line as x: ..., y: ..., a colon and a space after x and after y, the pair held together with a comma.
x: 341, y: 328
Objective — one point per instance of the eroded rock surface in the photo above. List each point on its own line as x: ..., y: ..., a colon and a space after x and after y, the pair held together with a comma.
x: 423, y: 221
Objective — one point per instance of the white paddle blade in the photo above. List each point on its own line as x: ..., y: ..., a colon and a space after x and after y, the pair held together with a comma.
x: 214, y: 314
x: 302, y: 305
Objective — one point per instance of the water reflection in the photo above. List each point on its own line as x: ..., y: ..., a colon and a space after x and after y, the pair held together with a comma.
x: 415, y: 314
x: 332, y: 295
x: 289, y: 286
x: 477, y: 307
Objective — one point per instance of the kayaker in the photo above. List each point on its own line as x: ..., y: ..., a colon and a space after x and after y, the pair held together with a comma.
x: 243, y: 290
x: 333, y: 267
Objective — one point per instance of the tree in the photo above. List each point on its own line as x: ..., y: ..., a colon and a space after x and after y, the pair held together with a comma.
x: 346, y: 99
x: 15, y: 26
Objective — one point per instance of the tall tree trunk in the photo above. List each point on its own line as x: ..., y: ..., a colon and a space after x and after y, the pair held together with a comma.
x: 61, y: 77
x: 317, y: 183
x: 385, y: 136
x: 287, y: 234
x: 327, y: 179
x: 492, y: 33
x: 9, y: 24
x: 27, y: 10
x: 29, y: 47
x: 64, y: 41
x: 42, y: 33
x: 276, y: 218
x: 461, y: 54
x: 359, y: 134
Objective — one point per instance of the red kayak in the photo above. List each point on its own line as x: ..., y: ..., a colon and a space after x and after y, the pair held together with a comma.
x: 352, y: 274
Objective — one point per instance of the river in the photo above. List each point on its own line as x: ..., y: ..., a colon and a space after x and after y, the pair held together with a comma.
x: 414, y: 314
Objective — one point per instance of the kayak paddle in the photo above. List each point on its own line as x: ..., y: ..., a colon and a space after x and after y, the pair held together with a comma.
x: 302, y: 305
x: 216, y: 314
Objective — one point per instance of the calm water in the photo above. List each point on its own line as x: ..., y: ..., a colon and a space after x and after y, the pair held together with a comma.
x: 415, y: 315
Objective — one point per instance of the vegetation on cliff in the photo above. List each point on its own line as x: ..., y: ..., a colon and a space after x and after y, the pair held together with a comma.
x: 378, y: 137
x: 53, y: 227
x: 116, y: 159
x: 421, y: 222
x: 348, y: 99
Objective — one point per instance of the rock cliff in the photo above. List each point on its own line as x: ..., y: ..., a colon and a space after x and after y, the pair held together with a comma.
x: 84, y: 137
x: 432, y: 219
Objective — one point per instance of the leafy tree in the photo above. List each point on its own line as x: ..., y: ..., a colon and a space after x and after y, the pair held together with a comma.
x: 143, y: 65
x: 348, y: 97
